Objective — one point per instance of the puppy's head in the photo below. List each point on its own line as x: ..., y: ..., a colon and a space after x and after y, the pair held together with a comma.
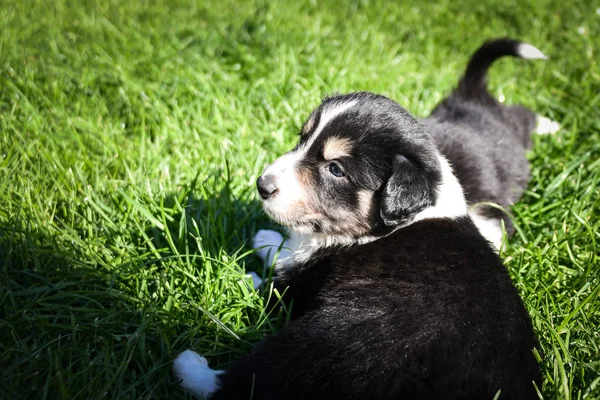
x: 363, y: 165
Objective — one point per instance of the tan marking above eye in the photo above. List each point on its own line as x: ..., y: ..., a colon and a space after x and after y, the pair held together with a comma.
x: 336, y: 147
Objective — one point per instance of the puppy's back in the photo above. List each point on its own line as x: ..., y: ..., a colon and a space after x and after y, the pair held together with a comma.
x: 449, y: 309
x: 427, y: 312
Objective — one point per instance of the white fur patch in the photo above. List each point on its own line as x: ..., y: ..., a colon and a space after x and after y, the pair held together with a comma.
x: 194, y: 373
x: 267, y: 243
x: 327, y: 115
x: 528, y: 51
x: 490, y: 228
x: 451, y: 201
x: 284, y: 172
x: 302, y: 245
x: 545, y: 126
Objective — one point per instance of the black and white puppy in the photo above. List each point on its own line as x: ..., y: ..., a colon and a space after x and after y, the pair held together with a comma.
x: 486, y: 141
x: 395, y: 292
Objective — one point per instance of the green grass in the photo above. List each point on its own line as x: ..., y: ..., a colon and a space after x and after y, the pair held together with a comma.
x: 131, y: 134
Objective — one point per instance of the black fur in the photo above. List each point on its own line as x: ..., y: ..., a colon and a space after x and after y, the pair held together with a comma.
x: 428, y: 312
x: 485, y: 141
x: 406, y: 192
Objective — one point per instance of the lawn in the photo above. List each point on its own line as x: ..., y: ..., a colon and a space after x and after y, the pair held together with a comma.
x: 131, y: 135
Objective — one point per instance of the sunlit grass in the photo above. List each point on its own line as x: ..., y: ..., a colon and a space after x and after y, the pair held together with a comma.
x: 131, y: 135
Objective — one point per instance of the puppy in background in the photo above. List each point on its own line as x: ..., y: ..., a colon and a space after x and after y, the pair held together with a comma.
x: 396, y: 293
x: 485, y: 141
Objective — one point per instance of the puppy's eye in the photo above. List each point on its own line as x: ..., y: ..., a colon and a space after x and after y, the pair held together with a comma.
x: 336, y: 170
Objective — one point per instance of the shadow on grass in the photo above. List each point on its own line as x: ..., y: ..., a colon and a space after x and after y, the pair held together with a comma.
x: 66, y: 333
x: 218, y: 225
x: 77, y: 323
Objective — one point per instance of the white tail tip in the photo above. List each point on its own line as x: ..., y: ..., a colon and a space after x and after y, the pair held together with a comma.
x: 525, y: 50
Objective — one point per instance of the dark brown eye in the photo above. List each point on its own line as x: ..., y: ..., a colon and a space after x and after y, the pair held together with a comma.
x: 336, y: 170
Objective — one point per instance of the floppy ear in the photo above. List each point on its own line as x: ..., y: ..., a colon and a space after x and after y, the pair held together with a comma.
x: 408, y: 191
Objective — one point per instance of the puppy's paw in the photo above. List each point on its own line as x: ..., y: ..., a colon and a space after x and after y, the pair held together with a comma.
x: 192, y: 370
x: 266, y: 243
x: 189, y: 359
x: 545, y: 126
x: 266, y: 237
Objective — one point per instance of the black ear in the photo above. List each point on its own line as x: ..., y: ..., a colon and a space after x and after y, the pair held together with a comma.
x: 408, y: 191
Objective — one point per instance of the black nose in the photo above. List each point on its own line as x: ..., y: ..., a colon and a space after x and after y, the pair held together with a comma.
x: 266, y: 186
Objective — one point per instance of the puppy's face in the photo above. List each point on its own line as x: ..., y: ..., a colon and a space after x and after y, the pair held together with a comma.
x: 362, y: 164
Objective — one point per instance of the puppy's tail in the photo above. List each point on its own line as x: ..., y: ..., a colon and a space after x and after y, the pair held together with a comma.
x: 473, y: 84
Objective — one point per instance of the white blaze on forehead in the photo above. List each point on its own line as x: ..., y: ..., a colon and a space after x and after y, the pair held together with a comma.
x: 327, y: 115
x: 283, y: 164
x: 286, y: 164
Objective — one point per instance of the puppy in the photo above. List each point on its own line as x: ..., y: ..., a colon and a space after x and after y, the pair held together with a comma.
x: 486, y: 141
x: 395, y: 293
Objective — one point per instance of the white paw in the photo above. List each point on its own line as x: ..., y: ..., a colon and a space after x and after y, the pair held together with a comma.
x: 545, y: 126
x: 192, y: 370
x: 266, y: 243
x: 256, y: 280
